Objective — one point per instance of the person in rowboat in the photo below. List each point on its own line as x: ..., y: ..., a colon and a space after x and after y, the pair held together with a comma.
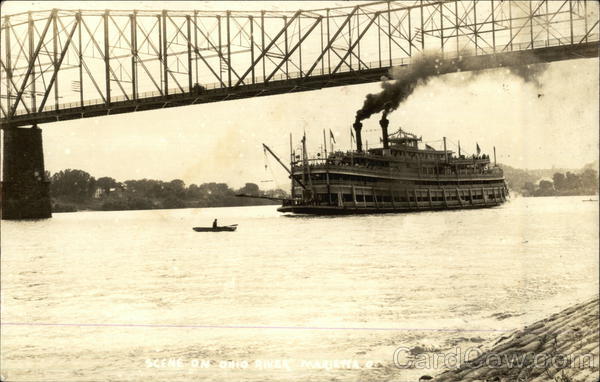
x: 215, y: 223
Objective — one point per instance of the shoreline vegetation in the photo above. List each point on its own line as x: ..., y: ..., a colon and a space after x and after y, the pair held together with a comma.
x: 74, y: 190
x: 553, y: 182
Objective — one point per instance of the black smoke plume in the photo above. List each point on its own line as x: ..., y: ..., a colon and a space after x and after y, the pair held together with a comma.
x: 403, y: 85
x: 405, y: 80
x: 529, y: 72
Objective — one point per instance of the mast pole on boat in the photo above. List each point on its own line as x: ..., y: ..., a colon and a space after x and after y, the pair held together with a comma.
x: 304, y: 157
x: 495, y: 165
x: 445, y: 152
x: 327, y: 167
x: 292, y: 164
x: 306, y: 164
x: 325, y: 144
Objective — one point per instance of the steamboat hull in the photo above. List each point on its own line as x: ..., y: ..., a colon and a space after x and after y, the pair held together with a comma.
x: 411, y: 201
x: 306, y: 210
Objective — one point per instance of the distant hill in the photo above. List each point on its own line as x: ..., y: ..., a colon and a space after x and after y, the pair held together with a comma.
x: 525, y: 181
x: 547, y: 173
x: 516, y: 178
x: 594, y: 166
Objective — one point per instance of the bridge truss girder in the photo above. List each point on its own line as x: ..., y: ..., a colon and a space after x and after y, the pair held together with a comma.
x: 61, y: 64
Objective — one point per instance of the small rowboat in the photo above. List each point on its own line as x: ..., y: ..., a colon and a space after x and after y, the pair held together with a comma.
x: 227, y: 228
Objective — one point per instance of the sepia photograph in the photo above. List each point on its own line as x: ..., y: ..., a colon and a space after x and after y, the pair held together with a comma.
x: 261, y: 191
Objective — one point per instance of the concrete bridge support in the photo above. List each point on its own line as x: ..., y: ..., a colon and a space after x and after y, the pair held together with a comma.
x: 25, y: 189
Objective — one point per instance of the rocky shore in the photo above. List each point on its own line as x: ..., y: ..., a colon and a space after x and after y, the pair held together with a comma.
x: 561, y: 348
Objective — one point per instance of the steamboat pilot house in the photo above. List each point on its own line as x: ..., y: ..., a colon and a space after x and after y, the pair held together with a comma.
x: 397, y: 177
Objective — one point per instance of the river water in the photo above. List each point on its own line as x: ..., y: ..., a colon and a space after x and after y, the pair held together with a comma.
x: 140, y: 296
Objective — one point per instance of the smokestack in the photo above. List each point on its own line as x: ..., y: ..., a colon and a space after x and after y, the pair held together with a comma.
x: 384, y: 123
x: 357, y: 127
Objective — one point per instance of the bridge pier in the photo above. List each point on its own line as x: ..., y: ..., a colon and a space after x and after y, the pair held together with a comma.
x: 25, y: 189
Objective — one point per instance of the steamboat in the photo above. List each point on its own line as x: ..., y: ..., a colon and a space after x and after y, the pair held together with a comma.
x: 400, y: 176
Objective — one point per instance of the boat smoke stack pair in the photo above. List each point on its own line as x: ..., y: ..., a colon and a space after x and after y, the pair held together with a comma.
x: 357, y: 127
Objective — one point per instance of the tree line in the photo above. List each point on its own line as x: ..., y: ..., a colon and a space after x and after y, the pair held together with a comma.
x: 563, y: 184
x: 73, y: 190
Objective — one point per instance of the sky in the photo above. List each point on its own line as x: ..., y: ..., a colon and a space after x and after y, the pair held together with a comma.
x: 553, y: 124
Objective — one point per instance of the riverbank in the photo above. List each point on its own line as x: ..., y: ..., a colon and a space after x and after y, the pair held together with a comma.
x: 562, y: 348
x: 76, y: 190
x: 140, y: 204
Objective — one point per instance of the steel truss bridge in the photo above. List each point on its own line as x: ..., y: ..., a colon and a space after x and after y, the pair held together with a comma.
x: 64, y: 64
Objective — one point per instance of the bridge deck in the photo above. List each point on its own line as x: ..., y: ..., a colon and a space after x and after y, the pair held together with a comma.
x: 54, y: 64
x: 74, y: 110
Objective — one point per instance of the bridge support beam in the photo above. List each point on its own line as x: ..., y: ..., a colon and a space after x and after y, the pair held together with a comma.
x: 25, y: 189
